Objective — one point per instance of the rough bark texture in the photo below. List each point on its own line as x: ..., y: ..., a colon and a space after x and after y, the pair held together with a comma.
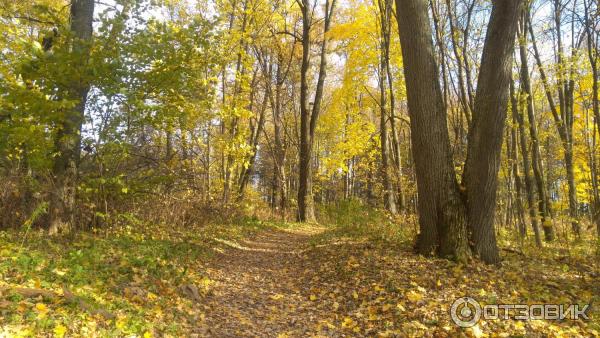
x: 442, y: 214
x: 68, y: 138
x: 485, y: 137
x: 305, y: 211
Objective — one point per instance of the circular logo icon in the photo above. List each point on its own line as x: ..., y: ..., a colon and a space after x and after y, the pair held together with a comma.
x: 465, y: 312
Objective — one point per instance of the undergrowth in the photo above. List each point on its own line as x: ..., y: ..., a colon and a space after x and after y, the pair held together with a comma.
x: 353, y: 220
x: 133, y: 273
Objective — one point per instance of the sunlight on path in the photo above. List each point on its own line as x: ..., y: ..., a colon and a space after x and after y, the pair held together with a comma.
x: 257, y: 290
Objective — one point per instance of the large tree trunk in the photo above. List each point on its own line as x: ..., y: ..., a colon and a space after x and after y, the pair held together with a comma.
x: 485, y: 137
x: 442, y: 213
x: 305, y: 198
x: 68, y: 137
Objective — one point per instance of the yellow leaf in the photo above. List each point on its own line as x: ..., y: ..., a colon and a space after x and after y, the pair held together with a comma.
x: 147, y: 334
x: 414, y: 296
x: 120, y: 323
x: 348, y: 323
x: 41, y: 307
x: 475, y: 331
x: 313, y: 297
x: 355, y: 294
x: 276, y: 296
x: 59, y: 331
x: 59, y: 272
x: 152, y: 296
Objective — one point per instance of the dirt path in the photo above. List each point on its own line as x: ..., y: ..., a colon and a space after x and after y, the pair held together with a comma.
x: 258, y: 292
x: 277, y: 285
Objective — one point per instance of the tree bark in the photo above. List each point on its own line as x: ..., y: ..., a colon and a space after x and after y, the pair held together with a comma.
x: 485, y: 136
x: 527, y: 96
x: 309, y: 117
x: 563, y: 118
x: 388, y: 189
x: 68, y: 136
x: 518, y: 115
x: 514, y: 163
x: 444, y: 214
x: 592, y: 52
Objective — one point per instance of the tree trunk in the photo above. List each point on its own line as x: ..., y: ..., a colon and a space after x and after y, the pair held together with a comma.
x: 280, y: 172
x: 563, y: 118
x: 485, y: 136
x: 240, y: 72
x: 592, y: 52
x: 527, y: 96
x: 388, y: 189
x: 254, y: 139
x: 518, y: 115
x: 309, y: 117
x: 68, y: 136
x: 514, y: 163
x: 305, y: 210
x: 442, y: 213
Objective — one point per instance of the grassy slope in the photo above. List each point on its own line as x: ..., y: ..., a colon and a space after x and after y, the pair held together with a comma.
x: 133, y: 274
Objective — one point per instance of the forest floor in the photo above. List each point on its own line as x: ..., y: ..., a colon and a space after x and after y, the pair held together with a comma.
x: 266, y: 279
